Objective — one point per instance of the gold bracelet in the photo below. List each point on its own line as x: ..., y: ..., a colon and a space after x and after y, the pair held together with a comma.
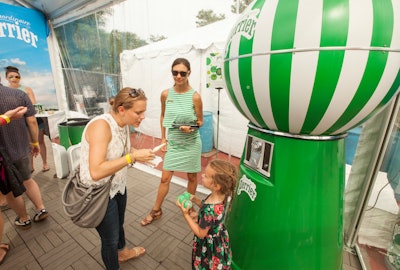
x: 34, y: 143
x: 5, y: 117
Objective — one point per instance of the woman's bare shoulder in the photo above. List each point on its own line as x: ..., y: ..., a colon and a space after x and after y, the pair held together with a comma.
x: 164, y: 92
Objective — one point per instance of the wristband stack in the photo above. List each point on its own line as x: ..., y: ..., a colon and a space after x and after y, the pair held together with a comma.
x: 4, y: 119
x: 129, y: 160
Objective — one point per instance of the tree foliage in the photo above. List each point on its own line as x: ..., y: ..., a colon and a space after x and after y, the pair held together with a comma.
x: 208, y: 16
x: 243, y: 4
x: 154, y: 38
x: 85, y: 45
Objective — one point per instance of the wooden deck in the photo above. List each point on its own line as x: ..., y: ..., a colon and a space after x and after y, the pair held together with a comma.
x: 57, y: 243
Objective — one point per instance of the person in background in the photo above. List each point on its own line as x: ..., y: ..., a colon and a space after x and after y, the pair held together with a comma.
x: 181, y: 117
x: 106, y: 151
x: 20, y: 140
x: 4, y: 120
x: 14, y: 78
x: 211, y: 247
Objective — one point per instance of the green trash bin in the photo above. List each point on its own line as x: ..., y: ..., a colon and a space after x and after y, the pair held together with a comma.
x: 71, y: 131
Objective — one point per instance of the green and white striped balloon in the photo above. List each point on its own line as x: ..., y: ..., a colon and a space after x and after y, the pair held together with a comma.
x: 312, y: 66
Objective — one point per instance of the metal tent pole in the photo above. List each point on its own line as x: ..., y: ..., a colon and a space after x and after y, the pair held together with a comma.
x: 219, y: 91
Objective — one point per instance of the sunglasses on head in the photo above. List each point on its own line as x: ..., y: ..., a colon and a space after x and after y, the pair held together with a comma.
x: 133, y: 93
x: 16, y: 77
x: 182, y: 73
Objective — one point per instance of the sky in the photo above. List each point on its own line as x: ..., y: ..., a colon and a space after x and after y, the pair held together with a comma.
x: 29, y: 56
x: 162, y: 17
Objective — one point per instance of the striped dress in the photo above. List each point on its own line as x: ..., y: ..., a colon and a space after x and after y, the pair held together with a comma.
x: 183, y: 149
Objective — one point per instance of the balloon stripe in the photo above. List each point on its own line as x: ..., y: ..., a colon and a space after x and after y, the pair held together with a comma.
x: 245, y: 64
x: 395, y: 43
x: 313, y: 66
x: 329, y: 63
x: 307, y: 35
x: 372, y: 75
x: 389, y: 82
x: 383, y: 23
x: 354, y: 63
x: 394, y: 89
x: 229, y: 82
x: 261, y: 64
x: 233, y: 72
x: 240, y: 35
x: 286, y: 14
x: 381, y: 36
x: 390, y: 73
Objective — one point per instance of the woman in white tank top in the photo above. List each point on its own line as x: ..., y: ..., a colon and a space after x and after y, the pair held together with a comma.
x: 105, y: 151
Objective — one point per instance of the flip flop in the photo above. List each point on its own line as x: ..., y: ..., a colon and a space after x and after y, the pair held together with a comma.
x: 130, y: 254
x: 45, y: 169
x: 6, y: 248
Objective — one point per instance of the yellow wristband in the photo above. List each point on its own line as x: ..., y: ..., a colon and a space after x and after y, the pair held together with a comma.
x: 128, y: 158
x: 34, y: 143
x: 5, y: 117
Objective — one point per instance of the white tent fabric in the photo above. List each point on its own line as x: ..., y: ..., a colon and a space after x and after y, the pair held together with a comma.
x: 60, y: 12
x: 57, y: 71
x: 149, y: 67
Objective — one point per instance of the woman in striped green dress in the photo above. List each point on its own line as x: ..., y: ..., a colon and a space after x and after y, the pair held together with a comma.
x: 181, y: 117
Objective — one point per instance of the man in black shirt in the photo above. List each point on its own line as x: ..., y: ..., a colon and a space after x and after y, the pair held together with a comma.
x: 18, y: 140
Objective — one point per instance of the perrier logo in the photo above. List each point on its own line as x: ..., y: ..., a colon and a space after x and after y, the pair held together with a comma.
x: 246, y: 24
x: 246, y: 185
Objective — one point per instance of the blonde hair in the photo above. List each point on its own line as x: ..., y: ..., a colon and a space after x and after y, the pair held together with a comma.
x: 225, y: 176
x: 126, y: 97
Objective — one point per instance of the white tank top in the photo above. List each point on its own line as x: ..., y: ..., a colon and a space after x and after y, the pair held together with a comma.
x: 118, y: 146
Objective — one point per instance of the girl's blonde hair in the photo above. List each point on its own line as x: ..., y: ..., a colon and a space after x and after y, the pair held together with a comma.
x: 225, y: 175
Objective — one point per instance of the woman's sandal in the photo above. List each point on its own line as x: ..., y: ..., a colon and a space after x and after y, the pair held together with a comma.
x: 154, y: 215
x: 129, y: 254
x: 5, y: 247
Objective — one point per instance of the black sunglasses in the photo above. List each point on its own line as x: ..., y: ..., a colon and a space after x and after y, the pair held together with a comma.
x: 182, y: 73
x: 16, y: 77
x: 133, y: 93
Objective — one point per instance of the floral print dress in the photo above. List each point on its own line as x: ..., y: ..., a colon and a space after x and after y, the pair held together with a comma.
x: 213, y: 251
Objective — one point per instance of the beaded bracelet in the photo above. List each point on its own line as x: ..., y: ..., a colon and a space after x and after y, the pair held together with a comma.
x: 3, y: 121
x: 6, y: 118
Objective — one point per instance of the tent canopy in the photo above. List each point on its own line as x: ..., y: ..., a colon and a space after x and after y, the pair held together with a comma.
x: 201, y: 38
x: 149, y: 67
x: 60, y: 12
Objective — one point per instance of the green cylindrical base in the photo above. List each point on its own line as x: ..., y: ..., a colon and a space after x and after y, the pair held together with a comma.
x: 293, y: 218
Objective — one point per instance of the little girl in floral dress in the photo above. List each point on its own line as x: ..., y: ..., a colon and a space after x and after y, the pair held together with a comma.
x: 211, y: 247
